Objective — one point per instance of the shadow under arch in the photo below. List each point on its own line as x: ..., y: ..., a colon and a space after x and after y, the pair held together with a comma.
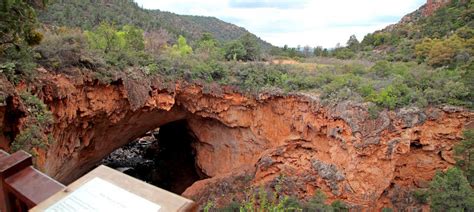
x: 165, y: 158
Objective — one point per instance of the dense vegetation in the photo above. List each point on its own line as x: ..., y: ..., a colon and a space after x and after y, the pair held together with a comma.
x: 127, y: 12
x: 17, y: 33
x: 431, y: 77
x: 387, y: 84
x: 441, y: 44
x: 274, y: 200
x: 37, y: 124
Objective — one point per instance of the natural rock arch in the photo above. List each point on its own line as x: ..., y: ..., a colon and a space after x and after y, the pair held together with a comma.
x: 338, y: 149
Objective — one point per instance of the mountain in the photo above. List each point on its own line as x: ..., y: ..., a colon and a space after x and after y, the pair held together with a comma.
x: 435, y: 19
x: 426, y: 11
x: 121, y: 12
x: 440, y: 33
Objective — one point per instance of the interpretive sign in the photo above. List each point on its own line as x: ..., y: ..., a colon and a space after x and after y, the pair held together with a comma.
x: 106, y: 189
x: 100, y: 195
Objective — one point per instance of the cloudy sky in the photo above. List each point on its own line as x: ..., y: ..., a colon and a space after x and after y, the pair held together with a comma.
x: 297, y: 22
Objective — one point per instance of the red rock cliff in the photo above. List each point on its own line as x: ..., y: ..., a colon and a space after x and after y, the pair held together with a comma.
x: 424, y: 11
x: 433, y: 5
x: 246, y: 141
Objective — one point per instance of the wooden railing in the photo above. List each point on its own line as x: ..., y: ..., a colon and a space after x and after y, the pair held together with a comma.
x: 21, y: 186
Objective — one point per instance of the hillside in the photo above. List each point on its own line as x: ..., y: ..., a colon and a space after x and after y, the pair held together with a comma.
x: 438, y: 20
x: 121, y: 12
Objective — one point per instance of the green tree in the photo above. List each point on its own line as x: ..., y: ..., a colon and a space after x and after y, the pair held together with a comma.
x: 380, y: 38
x: 105, y: 38
x: 443, y: 52
x: 124, y: 47
x: 235, y: 50
x: 353, y: 44
x: 423, y: 49
x: 465, y: 155
x: 17, y: 35
x: 18, y: 23
x: 131, y: 38
x: 208, y: 47
x: 251, y: 46
x: 393, y: 96
x: 451, y: 191
x: 368, y: 40
x: 181, y: 48
x: 318, y: 51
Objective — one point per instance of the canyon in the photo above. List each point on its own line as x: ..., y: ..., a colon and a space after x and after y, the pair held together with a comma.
x: 242, y: 140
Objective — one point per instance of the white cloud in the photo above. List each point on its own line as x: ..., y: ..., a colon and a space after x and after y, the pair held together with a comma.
x: 308, y: 22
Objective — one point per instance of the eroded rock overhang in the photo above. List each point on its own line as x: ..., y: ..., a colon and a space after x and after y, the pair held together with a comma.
x: 338, y: 149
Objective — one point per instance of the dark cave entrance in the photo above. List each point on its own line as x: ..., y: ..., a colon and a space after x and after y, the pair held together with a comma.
x: 164, y: 157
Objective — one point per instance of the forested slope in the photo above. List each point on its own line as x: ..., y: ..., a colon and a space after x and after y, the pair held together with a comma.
x: 122, y: 12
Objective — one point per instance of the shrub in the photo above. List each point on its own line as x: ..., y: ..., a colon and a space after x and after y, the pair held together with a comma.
x: 317, y: 203
x: 262, y: 200
x: 38, y: 120
x: 382, y: 68
x: 23, y: 67
x: 393, y: 96
x: 8, y: 69
x: 421, y: 196
x: 234, y: 50
x: 232, y: 207
x: 464, y: 153
x: 181, y: 48
x: 342, y: 87
x: 339, y: 206
x: 451, y: 191
x: 64, y: 47
x: 209, y: 205
x: 120, y: 47
x: 374, y: 111
x: 344, y: 54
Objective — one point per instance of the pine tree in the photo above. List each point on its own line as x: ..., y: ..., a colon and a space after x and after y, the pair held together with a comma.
x: 451, y: 191
x: 465, y: 155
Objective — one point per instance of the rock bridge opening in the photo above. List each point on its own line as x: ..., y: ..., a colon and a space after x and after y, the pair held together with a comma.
x: 164, y: 157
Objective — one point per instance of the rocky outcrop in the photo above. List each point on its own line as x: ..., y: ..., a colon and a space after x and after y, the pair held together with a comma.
x: 433, y: 5
x: 253, y: 140
x: 424, y: 11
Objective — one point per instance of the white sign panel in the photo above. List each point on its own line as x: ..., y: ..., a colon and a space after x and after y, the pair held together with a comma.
x: 100, y: 195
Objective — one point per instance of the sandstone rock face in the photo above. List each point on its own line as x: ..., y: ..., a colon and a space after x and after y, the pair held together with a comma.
x: 245, y: 141
x: 425, y: 10
x: 433, y: 5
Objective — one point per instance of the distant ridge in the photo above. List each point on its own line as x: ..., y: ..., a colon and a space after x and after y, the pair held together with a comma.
x: 88, y: 13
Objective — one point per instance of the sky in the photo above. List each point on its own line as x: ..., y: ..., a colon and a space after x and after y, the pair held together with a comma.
x: 297, y: 22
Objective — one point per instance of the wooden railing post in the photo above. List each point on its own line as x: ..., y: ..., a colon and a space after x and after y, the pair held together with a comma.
x: 22, y: 187
x: 3, y: 200
x: 9, y: 165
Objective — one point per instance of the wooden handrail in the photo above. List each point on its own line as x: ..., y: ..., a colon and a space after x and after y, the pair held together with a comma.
x: 21, y: 186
